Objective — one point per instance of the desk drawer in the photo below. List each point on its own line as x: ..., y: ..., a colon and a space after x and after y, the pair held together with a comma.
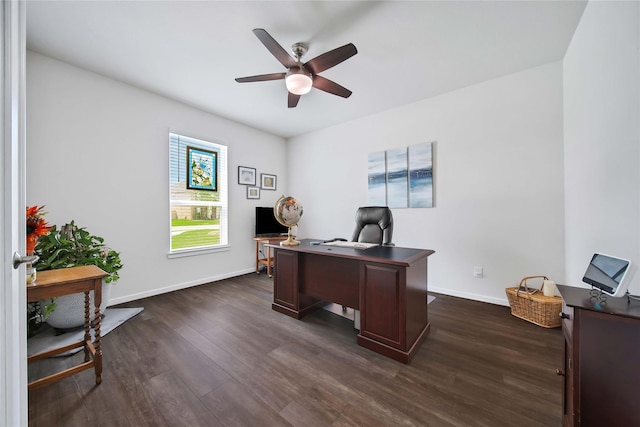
x: 285, y: 290
x: 383, y: 310
x: 330, y: 279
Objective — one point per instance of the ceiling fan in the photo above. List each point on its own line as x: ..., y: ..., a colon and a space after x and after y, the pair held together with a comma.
x: 300, y: 77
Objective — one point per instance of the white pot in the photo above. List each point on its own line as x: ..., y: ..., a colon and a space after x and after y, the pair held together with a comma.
x: 69, y: 312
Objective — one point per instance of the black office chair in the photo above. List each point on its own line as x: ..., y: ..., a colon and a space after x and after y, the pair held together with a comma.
x: 374, y: 224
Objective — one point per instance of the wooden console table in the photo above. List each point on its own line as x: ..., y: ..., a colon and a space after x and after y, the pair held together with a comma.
x: 65, y: 281
x: 268, y: 261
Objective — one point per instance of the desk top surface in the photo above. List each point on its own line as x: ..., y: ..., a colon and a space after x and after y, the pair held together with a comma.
x: 67, y: 275
x: 582, y: 298
x: 383, y: 254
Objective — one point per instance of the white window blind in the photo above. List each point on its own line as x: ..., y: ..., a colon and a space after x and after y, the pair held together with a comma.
x: 197, y: 194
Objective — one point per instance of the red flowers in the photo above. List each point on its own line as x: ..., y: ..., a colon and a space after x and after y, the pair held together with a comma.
x: 36, y: 226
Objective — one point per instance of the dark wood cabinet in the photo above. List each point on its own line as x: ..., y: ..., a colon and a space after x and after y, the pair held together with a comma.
x: 601, y: 359
x: 383, y: 293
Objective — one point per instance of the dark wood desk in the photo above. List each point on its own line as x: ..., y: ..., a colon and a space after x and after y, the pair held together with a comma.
x: 387, y: 284
x: 65, y: 281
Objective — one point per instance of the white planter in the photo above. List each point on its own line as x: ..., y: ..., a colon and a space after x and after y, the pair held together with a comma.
x: 69, y: 312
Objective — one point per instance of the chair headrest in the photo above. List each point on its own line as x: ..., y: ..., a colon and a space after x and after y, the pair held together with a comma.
x: 374, y: 224
x: 380, y: 215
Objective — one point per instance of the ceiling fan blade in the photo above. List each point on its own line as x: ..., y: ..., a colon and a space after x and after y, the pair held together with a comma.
x: 331, y: 58
x: 293, y: 100
x: 328, y: 86
x: 261, y: 78
x: 274, y: 47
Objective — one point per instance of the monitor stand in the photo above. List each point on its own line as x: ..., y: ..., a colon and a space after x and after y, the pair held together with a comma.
x: 598, y: 295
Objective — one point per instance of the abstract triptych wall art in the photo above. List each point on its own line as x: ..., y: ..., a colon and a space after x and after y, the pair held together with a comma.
x: 402, y: 177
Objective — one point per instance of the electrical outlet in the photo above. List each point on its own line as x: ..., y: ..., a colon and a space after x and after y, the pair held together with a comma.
x: 478, y: 273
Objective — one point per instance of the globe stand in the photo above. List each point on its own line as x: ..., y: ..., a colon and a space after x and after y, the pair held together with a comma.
x: 290, y: 240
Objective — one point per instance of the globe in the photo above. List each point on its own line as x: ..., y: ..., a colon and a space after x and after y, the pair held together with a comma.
x: 288, y: 212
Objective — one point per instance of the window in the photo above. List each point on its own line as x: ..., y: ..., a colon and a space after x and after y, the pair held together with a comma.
x: 198, y: 194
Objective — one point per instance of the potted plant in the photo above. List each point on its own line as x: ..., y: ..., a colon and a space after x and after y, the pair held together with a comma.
x: 73, y: 246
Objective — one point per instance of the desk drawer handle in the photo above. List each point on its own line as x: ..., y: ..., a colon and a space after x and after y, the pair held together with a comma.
x: 564, y: 315
x: 559, y: 372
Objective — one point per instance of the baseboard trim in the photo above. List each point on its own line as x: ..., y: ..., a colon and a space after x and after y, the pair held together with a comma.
x: 177, y: 287
x: 467, y: 295
x: 184, y: 285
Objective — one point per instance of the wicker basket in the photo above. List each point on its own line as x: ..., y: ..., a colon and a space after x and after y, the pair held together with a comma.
x: 535, y: 308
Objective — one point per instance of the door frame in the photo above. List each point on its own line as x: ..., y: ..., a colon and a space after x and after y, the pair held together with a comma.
x: 13, y: 342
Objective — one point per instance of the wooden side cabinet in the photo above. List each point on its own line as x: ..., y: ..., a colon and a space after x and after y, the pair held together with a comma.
x: 601, y: 359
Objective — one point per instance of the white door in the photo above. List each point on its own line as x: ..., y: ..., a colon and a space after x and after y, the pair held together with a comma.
x: 13, y: 342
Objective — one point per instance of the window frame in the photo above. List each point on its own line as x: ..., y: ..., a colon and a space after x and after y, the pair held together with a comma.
x: 178, y: 144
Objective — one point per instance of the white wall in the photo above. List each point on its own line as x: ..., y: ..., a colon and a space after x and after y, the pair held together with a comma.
x: 602, y: 137
x: 497, y: 177
x: 97, y: 153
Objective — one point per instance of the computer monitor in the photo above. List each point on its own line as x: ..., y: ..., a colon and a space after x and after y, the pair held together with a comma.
x: 609, y: 274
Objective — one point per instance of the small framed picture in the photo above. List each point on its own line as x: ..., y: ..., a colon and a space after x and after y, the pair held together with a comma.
x: 202, y: 169
x: 246, y: 176
x: 253, y: 192
x: 268, y: 181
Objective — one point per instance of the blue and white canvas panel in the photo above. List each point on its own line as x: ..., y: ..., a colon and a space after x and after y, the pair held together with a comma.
x: 421, y: 175
x: 377, y: 195
x: 397, y: 178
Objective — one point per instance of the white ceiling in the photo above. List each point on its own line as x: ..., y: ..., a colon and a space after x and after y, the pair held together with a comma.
x: 191, y: 51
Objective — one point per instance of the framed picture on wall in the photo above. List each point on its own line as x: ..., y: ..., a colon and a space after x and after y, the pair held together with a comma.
x: 268, y: 181
x: 253, y: 192
x: 246, y: 176
x: 202, y: 169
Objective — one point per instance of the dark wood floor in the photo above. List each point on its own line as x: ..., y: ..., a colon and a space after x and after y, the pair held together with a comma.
x: 217, y: 355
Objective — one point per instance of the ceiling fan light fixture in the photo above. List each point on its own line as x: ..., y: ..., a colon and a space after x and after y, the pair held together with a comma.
x: 298, y: 82
x: 300, y: 78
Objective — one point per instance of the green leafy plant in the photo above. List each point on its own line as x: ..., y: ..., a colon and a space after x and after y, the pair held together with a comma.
x: 73, y: 246
x: 70, y: 246
x: 37, y: 313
